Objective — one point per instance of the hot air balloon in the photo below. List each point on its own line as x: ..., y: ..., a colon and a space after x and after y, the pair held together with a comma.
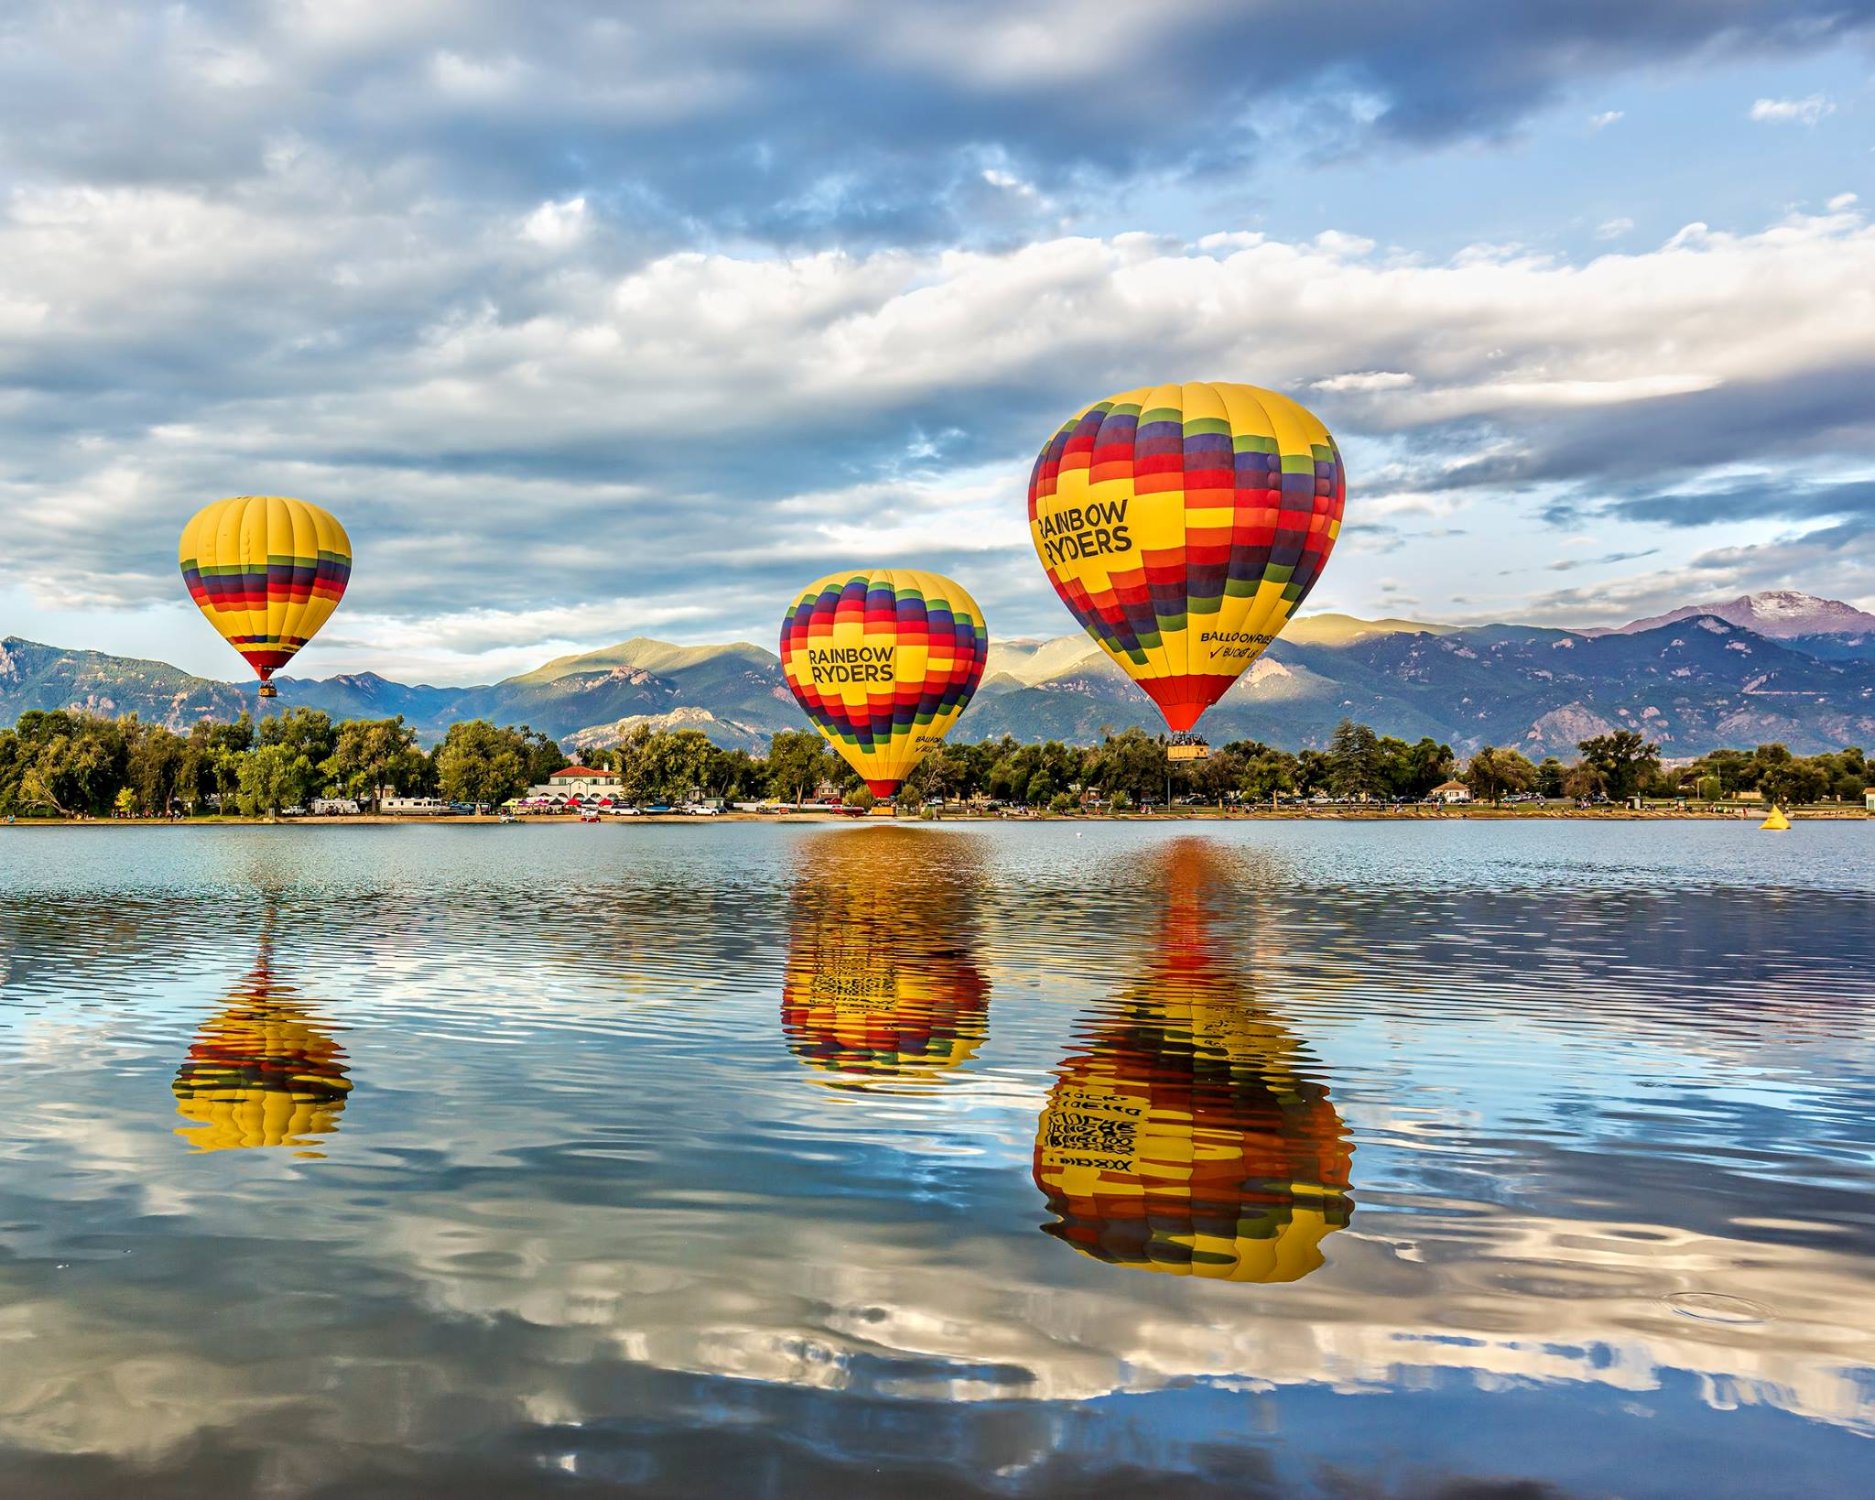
x: 262, y: 1071
x: 884, y: 660
x: 881, y: 984
x: 268, y: 572
x: 1183, y: 525
x: 1188, y: 1132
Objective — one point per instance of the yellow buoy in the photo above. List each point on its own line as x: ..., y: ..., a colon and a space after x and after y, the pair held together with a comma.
x: 1777, y: 822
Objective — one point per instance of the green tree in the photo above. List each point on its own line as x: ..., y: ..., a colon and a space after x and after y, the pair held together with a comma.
x: 1357, y: 766
x: 1411, y: 771
x: 1584, y: 783
x: 304, y: 731
x: 369, y: 756
x: 154, y: 770
x: 1218, y: 775
x: 1494, y: 773
x: 274, y: 777
x: 480, y: 763
x: 1268, y: 775
x: 798, y: 761
x: 1624, y: 760
x: 1131, y: 761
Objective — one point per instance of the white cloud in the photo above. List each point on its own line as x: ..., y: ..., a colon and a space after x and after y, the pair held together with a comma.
x: 1613, y: 229
x: 1793, y: 111
x: 556, y: 225
x: 598, y: 430
x: 1365, y: 380
x: 1606, y: 118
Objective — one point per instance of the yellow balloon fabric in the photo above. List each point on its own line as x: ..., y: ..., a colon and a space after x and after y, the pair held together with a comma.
x: 262, y: 1072
x: 267, y: 571
x: 884, y: 661
x: 1182, y: 525
x: 882, y: 985
x: 1186, y: 1133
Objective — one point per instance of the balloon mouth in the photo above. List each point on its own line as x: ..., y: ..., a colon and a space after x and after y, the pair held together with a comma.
x: 1183, y: 700
x: 883, y: 790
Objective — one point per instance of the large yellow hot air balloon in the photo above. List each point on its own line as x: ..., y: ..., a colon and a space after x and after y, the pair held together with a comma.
x: 262, y: 1071
x: 884, y: 660
x: 1183, y: 525
x: 1189, y: 1132
x: 882, y: 983
x: 268, y: 572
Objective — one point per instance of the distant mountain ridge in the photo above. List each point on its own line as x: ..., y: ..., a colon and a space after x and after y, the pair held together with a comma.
x: 1694, y: 680
x: 1776, y: 614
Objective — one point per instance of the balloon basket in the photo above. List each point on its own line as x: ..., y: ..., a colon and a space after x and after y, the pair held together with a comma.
x: 1187, y: 746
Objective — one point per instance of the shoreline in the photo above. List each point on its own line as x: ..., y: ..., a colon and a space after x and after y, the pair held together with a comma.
x: 1189, y: 815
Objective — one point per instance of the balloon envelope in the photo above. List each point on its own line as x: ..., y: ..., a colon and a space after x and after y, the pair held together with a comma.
x: 884, y: 660
x: 267, y: 571
x: 1182, y: 525
x: 882, y: 983
x: 1186, y: 1132
x: 262, y: 1072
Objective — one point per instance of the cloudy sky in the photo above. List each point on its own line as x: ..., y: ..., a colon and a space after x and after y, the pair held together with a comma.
x: 592, y: 322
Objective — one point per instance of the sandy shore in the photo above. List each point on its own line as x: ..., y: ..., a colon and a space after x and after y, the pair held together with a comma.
x: 1183, y: 815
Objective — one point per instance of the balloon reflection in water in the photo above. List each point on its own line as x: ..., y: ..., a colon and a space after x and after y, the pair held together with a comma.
x: 1186, y: 1134
x: 262, y: 1072
x: 881, y: 983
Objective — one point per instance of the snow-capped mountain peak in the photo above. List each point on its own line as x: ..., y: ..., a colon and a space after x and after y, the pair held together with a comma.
x: 1779, y: 614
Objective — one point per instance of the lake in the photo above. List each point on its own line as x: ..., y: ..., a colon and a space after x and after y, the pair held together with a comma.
x: 1458, y: 1159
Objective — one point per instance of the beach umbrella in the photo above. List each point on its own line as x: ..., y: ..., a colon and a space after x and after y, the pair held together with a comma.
x: 1183, y: 525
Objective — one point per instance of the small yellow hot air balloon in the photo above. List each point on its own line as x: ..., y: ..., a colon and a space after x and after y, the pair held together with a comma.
x: 268, y: 572
x: 1188, y: 1132
x: 884, y: 660
x: 882, y: 983
x: 262, y: 1071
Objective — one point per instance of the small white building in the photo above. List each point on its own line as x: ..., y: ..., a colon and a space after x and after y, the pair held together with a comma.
x: 578, y: 781
x: 1450, y: 792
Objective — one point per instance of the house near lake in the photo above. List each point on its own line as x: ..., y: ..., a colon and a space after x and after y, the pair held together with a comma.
x: 583, y: 782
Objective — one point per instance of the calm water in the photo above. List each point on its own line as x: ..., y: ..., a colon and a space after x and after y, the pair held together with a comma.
x: 1324, y: 1159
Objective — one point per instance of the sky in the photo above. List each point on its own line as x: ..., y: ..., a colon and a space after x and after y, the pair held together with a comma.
x: 592, y: 321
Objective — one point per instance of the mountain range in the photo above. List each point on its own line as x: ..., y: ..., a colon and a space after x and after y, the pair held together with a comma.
x: 1771, y: 666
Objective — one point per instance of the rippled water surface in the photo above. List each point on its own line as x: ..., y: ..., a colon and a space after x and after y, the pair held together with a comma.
x: 1351, y: 1160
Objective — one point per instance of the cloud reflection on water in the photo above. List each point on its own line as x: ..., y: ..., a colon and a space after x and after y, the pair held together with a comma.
x: 581, y: 1222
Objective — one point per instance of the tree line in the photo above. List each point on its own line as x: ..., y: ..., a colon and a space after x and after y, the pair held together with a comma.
x: 64, y: 763
x: 1625, y: 764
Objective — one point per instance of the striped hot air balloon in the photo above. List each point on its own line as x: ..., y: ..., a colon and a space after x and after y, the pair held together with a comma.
x: 1189, y: 1131
x: 884, y: 660
x: 1183, y: 525
x: 882, y: 985
x: 268, y: 572
x: 264, y: 1071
